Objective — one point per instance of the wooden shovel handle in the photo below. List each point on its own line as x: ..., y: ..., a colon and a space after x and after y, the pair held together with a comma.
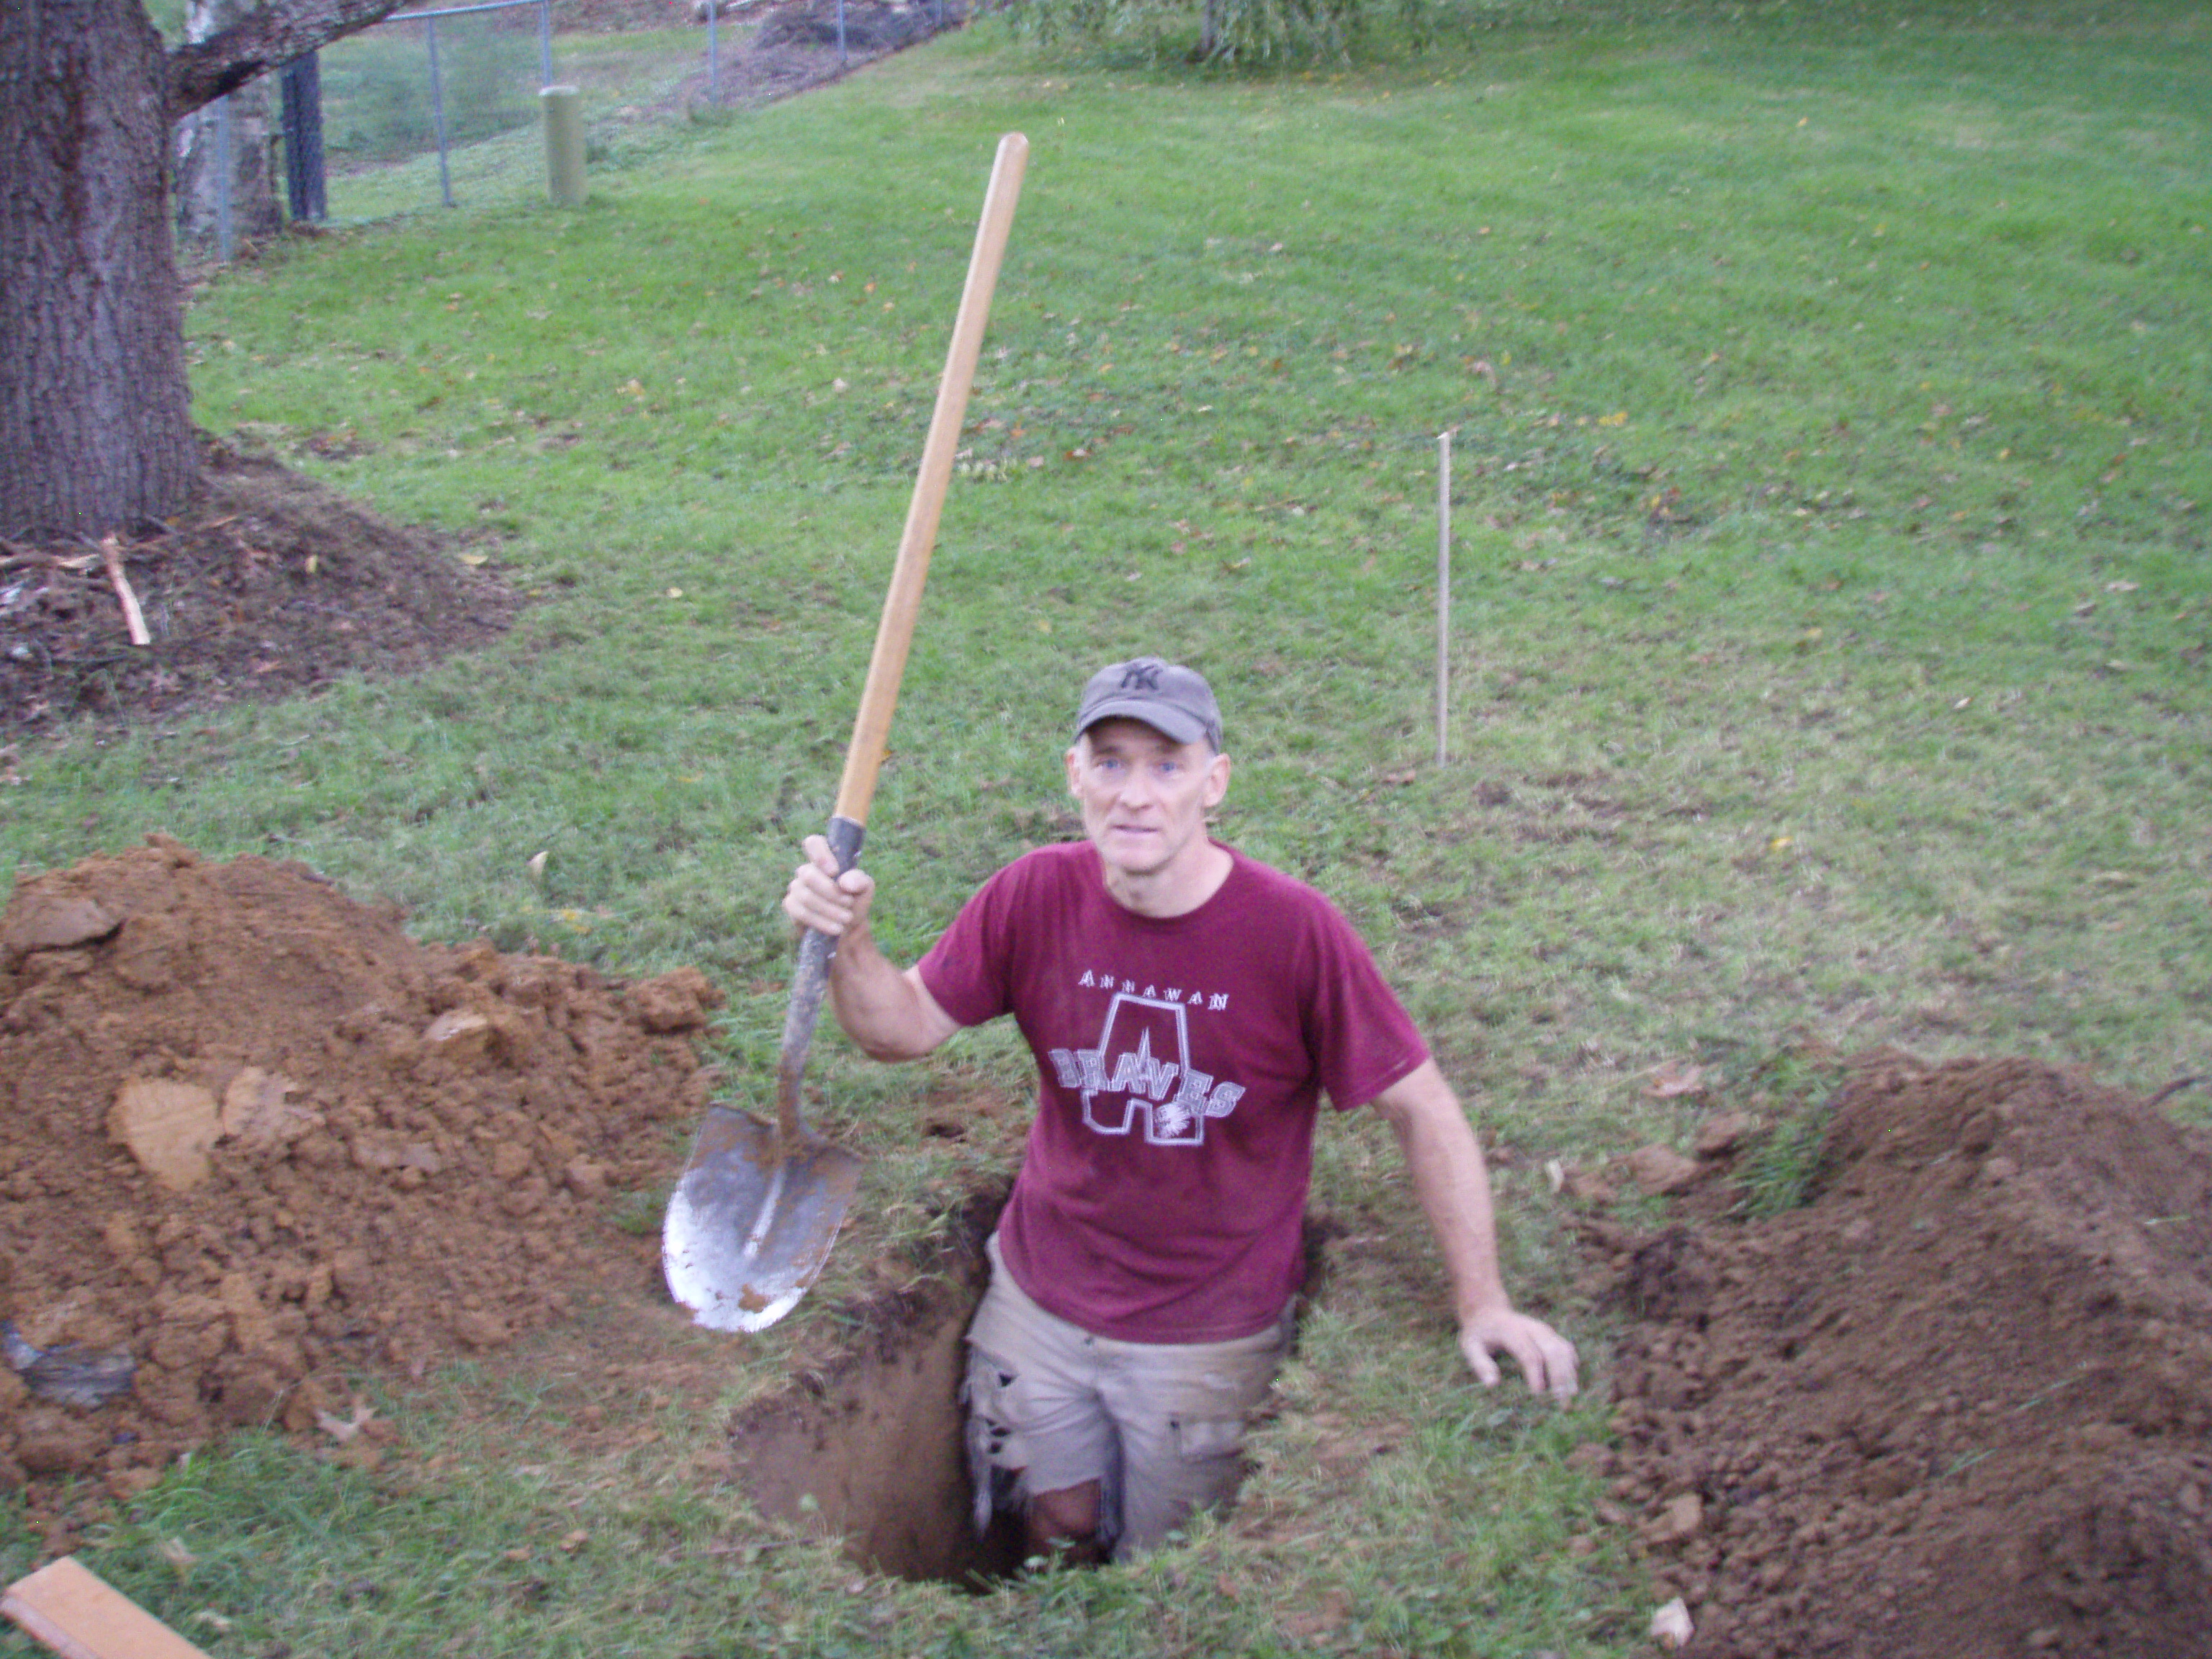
x: 872, y: 727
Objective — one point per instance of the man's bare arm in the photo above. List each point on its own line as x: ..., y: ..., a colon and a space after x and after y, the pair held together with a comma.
x: 1452, y: 1185
x: 890, y: 1014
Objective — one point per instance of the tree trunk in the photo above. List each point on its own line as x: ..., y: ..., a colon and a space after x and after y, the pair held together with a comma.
x: 202, y: 180
x: 95, y: 429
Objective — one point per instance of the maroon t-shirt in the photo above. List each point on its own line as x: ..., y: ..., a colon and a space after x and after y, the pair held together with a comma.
x: 1180, y: 1063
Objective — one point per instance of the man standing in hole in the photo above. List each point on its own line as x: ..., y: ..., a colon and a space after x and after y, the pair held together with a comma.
x: 1188, y: 1008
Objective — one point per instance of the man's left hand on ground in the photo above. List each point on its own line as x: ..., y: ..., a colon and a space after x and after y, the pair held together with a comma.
x: 1546, y: 1358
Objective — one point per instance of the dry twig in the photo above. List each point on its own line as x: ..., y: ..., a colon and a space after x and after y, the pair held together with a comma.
x: 111, y: 554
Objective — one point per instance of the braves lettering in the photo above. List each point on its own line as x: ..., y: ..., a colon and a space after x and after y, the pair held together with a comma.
x: 1141, y: 1068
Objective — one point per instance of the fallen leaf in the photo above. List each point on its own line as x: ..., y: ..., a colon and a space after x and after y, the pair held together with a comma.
x: 172, y: 1550
x: 1672, y: 1078
x: 342, y: 1429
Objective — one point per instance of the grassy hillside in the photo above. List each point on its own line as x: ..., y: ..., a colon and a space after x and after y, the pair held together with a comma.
x: 1828, y: 393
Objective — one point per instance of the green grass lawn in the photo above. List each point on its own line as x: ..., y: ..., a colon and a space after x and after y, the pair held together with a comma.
x: 1829, y: 393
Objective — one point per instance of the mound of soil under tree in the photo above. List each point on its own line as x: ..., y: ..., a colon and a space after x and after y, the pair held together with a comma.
x: 1957, y: 1406
x: 266, y: 584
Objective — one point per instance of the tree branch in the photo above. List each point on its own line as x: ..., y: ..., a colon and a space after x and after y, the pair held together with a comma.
x: 267, y: 39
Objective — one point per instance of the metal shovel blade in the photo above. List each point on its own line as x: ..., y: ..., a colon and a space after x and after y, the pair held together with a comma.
x: 749, y: 1226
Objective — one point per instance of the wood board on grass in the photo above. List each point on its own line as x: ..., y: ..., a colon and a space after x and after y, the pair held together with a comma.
x: 77, y: 1614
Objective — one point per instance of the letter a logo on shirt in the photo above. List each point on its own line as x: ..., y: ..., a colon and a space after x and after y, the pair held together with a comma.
x: 1141, y: 1068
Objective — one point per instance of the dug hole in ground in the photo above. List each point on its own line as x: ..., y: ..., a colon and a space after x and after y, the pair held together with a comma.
x: 256, y: 1138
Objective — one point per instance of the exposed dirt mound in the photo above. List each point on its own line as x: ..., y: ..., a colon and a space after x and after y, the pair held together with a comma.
x: 267, y: 584
x: 253, y: 1135
x: 868, y: 26
x: 254, y: 1138
x: 1957, y: 1406
x: 795, y: 47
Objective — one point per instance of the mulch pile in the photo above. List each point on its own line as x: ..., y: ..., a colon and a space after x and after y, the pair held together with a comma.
x: 265, y: 585
x: 1958, y: 1405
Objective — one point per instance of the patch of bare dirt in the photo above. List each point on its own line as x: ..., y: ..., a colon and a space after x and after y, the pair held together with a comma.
x: 796, y: 47
x: 266, y: 585
x: 252, y: 1137
x: 1957, y: 1405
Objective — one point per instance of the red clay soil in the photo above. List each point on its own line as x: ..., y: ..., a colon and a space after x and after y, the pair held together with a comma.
x: 253, y: 1137
x: 1956, y: 1407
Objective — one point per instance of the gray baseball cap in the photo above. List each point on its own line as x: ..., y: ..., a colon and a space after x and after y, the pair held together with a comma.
x: 1165, y: 695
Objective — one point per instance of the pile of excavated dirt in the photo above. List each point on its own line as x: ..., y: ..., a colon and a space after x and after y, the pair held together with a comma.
x: 1958, y: 1405
x: 252, y: 1137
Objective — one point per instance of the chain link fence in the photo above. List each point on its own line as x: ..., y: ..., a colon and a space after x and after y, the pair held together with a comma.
x: 430, y: 87
x: 441, y: 105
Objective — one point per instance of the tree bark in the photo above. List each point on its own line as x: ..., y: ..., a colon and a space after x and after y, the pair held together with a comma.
x: 267, y: 37
x: 95, y: 415
x: 95, y: 429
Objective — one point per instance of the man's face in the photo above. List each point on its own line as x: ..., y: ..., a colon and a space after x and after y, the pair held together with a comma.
x: 1145, y: 796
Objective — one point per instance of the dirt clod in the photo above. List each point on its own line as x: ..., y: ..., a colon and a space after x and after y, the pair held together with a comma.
x: 1957, y: 1405
x: 252, y: 1136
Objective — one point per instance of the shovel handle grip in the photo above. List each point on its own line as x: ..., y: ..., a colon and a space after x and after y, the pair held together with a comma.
x: 809, y: 982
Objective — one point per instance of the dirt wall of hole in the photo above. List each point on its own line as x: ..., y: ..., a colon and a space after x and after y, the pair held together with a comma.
x: 874, y: 1449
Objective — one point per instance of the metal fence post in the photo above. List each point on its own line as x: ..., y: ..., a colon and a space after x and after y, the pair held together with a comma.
x: 304, y: 189
x: 544, y: 43
x: 223, y: 181
x: 438, y: 114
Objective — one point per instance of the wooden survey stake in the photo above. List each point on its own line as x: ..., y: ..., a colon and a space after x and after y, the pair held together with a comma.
x: 80, y: 1615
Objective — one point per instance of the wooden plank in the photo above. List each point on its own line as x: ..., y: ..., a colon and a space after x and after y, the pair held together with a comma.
x: 70, y: 1608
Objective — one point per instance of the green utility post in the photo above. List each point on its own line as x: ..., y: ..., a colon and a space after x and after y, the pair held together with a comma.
x: 564, y: 144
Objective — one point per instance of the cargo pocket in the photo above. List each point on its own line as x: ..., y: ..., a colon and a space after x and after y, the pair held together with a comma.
x: 995, y: 1457
x: 1201, y: 1440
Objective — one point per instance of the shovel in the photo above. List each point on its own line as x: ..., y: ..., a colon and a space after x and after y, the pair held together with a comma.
x: 759, y: 1205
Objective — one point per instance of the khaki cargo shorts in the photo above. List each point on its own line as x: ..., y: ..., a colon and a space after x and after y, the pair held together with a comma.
x: 1160, y: 1426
